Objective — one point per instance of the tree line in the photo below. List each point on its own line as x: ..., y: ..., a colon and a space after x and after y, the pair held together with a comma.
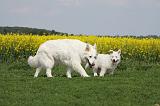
x: 27, y: 30
x: 36, y: 31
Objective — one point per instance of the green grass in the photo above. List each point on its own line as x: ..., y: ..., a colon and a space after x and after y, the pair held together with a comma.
x: 133, y: 84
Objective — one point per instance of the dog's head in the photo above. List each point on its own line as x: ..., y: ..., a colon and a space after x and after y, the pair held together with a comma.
x: 115, y: 56
x: 90, y: 54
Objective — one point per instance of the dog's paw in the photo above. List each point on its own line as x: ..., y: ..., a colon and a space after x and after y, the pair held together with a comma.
x: 50, y: 76
x: 95, y: 74
x: 69, y: 77
x: 101, y: 75
x: 86, y: 76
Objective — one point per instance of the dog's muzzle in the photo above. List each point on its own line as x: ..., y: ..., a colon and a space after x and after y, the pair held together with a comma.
x: 90, y: 65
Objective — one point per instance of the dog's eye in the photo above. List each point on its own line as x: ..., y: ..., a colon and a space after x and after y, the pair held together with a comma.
x: 95, y: 57
x: 90, y: 56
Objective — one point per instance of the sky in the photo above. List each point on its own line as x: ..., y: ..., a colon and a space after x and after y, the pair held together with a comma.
x: 91, y: 17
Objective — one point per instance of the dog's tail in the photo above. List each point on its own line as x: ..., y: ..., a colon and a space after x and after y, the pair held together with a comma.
x: 33, y: 61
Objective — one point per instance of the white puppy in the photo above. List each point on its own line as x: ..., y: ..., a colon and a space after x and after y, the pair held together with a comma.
x: 66, y: 51
x: 106, y: 63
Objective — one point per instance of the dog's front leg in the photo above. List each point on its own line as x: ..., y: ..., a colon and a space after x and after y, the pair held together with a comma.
x: 77, y: 67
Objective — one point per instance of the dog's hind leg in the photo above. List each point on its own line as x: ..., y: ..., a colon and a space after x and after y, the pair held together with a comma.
x: 69, y: 70
x: 48, y: 72
x: 47, y: 62
x: 37, y: 72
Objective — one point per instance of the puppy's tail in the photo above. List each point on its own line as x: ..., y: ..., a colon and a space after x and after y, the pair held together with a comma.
x: 33, y: 61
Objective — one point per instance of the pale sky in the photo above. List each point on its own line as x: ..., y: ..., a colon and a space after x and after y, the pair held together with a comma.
x: 98, y: 17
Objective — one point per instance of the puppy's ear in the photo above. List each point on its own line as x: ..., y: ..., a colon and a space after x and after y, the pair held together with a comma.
x: 119, y: 51
x: 95, y: 47
x: 87, y: 47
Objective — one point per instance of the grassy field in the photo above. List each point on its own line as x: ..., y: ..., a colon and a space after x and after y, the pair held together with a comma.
x: 134, y: 84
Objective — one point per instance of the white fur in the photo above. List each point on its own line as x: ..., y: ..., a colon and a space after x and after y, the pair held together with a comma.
x: 106, y: 63
x: 66, y: 51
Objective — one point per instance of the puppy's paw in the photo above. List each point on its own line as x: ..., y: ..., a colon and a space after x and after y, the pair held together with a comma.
x: 101, y: 75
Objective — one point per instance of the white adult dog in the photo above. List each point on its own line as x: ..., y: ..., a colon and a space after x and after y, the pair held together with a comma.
x: 66, y: 51
x: 106, y: 63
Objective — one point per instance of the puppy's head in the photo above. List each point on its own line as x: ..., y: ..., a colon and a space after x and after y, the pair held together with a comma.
x: 115, y: 56
x: 90, y: 54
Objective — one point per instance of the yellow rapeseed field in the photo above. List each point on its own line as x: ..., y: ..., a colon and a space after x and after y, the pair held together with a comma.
x: 21, y: 46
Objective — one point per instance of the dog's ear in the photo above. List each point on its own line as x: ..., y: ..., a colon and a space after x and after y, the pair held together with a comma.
x: 87, y: 47
x: 110, y: 51
x: 95, y: 47
x: 119, y: 51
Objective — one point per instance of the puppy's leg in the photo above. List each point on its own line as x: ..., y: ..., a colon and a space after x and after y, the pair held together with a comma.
x: 77, y: 67
x: 102, y: 72
x: 69, y: 72
x: 37, y: 72
x: 111, y: 72
x: 95, y: 72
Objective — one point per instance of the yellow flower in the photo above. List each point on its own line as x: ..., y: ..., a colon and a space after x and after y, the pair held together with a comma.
x: 24, y: 45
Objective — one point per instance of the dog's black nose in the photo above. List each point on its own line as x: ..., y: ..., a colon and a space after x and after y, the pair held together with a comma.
x: 114, y: 60
x: 93, y: 64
